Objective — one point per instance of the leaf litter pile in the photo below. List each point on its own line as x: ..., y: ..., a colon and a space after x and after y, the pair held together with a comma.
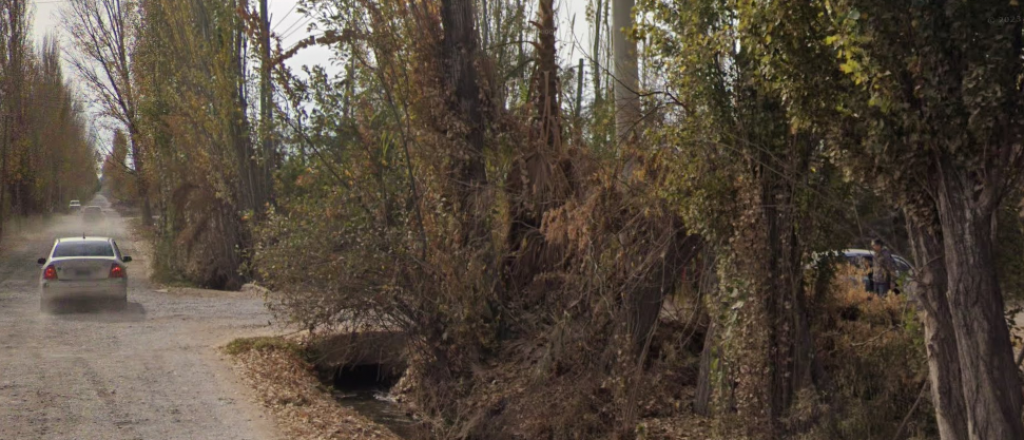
x: 287, y: 385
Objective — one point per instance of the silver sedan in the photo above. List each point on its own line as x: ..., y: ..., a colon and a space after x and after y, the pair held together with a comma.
x: 83, y: 269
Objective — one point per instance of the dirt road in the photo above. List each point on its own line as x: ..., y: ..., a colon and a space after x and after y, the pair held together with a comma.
x: 150, y: 372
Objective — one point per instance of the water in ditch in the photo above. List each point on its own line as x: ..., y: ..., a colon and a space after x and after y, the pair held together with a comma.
x: 381, y: 409
x: 366, y: 391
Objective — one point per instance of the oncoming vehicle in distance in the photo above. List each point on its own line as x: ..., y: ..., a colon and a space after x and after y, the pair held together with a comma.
x: 92, y: 214
x: 74, y: 206
x: 83, y: 269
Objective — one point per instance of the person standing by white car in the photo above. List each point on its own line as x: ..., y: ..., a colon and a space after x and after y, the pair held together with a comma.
x: 883, y: 268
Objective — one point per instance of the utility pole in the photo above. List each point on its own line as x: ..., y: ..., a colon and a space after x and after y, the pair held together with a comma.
x: 266, y: 104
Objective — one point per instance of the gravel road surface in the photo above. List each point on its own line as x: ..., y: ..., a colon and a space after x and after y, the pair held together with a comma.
x: 152, y: 371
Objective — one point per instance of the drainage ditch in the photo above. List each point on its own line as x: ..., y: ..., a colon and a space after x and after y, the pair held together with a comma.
x: 362, y: 379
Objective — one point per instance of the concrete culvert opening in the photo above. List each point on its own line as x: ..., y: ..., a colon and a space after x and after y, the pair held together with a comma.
x: 361, y: 369
x: 365, y: 377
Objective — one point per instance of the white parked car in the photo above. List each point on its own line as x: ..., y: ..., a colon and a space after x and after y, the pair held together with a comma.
x: 83, y: 269
x: 862, y: 259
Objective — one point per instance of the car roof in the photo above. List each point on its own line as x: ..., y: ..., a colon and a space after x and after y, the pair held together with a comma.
x: 867, y: 253
x: 82, y: 239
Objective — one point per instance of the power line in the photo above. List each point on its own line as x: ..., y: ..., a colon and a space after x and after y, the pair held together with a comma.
x: 286, y: 14
x: 298, y: 23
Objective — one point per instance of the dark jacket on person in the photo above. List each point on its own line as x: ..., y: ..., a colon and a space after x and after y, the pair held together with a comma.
x: 883, y: 267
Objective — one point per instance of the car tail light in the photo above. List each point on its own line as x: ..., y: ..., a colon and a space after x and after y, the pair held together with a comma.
x: 50, y: 273
x: 116, y: 271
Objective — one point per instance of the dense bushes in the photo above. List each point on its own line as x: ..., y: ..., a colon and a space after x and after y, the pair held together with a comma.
x: 872, y: 351
x: 434, y: 189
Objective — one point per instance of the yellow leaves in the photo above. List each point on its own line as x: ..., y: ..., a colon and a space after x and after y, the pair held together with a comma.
x: 850, y: 66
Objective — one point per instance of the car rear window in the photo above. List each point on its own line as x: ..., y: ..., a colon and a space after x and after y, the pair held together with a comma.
x: 83, y: 249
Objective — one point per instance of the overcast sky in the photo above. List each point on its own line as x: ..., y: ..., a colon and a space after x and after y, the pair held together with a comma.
x: 286, y: 20
x: 293, y: 25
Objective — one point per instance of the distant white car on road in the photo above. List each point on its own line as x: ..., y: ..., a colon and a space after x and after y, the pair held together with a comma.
x: 74, y: 206
x: 92, y: 214
x: 83, y: 269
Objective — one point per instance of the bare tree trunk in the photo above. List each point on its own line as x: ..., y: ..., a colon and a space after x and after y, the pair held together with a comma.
x: 789, y: 335
x: 535, y: 183
x: 770, y: 348
x: 598, y: 22
x: 711, y: 351
x: 940, y: 341
x: 579, y: 92
x: 5, y: 145
x: 141, y: 184
x: 627, y: 72
x: 485, y: 24
x: 14, y: 84
x: 702, y: 397
x: 104, y: 32
x: 992, y: 387
x: 268, y: 154
x: 468, y: 174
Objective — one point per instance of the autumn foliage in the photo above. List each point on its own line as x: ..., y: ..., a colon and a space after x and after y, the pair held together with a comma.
x: 47, y: 157
x: 555, y: 278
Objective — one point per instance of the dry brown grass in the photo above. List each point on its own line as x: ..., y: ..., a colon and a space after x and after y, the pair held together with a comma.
x: 873, y: 352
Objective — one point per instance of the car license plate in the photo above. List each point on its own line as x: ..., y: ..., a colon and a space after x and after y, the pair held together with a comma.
x: 83, y: 272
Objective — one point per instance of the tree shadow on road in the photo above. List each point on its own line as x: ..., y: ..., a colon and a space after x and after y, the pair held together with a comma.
x: 92, y: 312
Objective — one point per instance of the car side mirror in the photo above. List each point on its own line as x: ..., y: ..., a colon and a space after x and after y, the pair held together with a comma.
x: 126, y: 259
x: 41, y: 261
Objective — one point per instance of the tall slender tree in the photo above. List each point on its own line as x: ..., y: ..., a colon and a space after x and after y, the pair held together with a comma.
x: 627, y: 72
x: 104, y: 34
x: 599, y: 13
x: 941, y: 130
x: 460, y: 77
